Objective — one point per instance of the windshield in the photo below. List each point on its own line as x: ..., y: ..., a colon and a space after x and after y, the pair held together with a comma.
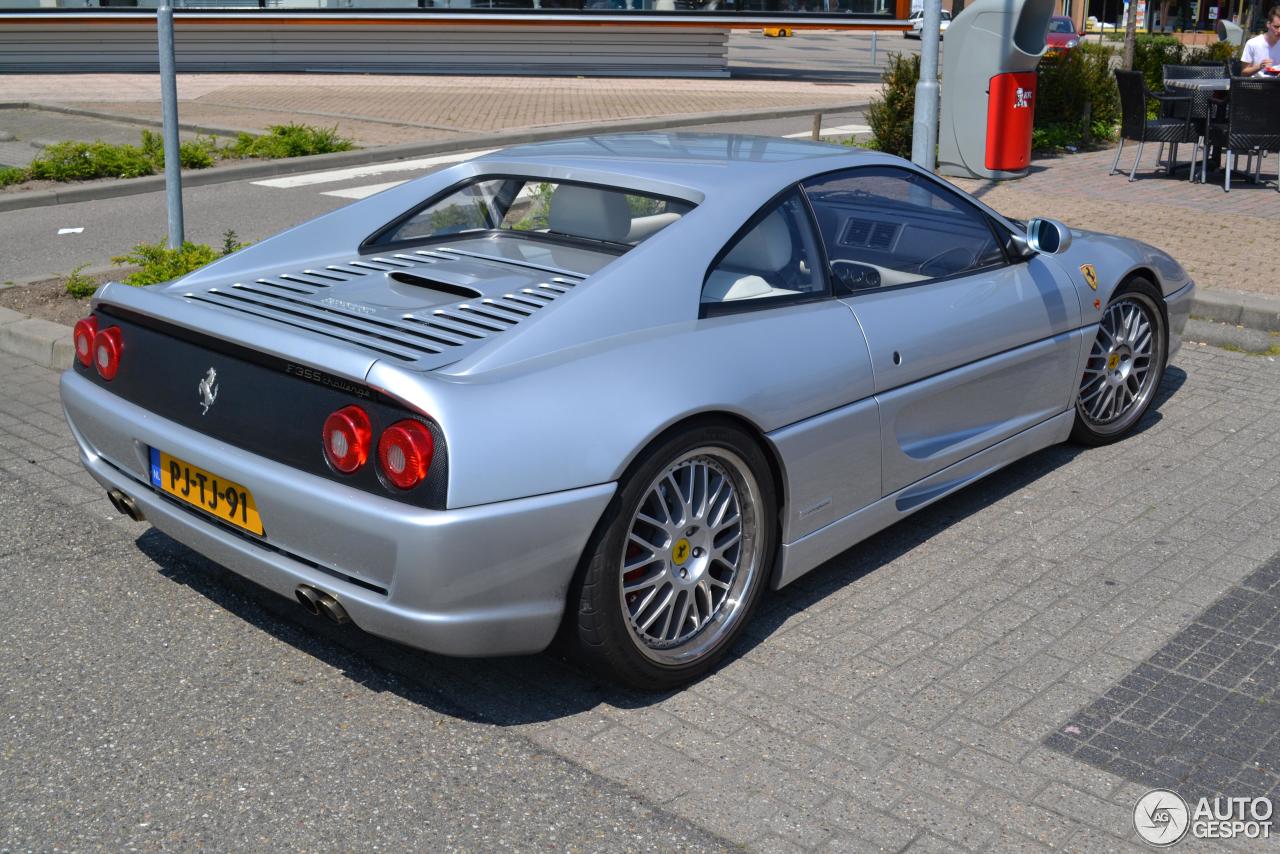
x: 535, y: 207
x: 1060, y: 25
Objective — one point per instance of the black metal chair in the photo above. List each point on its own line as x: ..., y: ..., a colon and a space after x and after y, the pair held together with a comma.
x: 1200, y: 109
x: 1252, y: 126
x: 1134, y: 124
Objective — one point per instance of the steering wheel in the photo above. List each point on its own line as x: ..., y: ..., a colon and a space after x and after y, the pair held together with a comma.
x: 948, y: 261
x: 854, y: 276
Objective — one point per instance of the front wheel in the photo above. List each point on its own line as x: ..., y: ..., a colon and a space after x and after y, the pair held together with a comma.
x: 1125, y: 366
x: 679, y: 560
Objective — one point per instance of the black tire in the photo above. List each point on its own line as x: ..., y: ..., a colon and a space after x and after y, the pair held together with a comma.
x: 1118, y: 365
x: 603, y: 626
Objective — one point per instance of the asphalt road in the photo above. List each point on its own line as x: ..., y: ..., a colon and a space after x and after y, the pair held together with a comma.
x: 34, y: 248
x: 151, y: 700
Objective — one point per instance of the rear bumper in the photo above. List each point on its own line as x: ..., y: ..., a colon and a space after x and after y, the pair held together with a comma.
x: 486, y: 580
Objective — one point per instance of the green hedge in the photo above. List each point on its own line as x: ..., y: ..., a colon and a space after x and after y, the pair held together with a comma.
x: 892, y: 115
x: 1074, y: 85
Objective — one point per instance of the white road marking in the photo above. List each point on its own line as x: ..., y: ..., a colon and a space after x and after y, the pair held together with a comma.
x: 333, y: 175
x: 838, y: 130
x: 71, y: 230
x: 362, y: 192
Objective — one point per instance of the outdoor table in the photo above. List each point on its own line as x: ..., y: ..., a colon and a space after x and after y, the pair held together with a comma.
x: 1209, y: 84
x: 1213, y: 84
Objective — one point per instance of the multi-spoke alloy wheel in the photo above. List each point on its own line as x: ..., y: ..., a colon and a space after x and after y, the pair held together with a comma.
x: 679, y: 560
x: 1124, y: 368
x: 690, y: 552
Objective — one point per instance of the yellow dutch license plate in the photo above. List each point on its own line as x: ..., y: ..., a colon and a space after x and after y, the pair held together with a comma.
x: 225, y: 499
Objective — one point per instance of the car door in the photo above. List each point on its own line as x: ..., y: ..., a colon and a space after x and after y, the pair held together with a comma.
x: 767, y: 293
x: 968, y: 347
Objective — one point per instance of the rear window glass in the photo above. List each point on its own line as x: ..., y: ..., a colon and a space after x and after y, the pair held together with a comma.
x: 554, y: 209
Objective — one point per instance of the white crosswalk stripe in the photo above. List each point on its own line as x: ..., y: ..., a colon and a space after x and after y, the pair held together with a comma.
x: 838, y: 130
x: 423, y: 164
x: 362, y: 192
x: 335, y: 175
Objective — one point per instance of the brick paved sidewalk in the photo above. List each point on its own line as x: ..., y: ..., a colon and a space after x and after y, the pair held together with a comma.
x: 1222, y: 239
x: 1008, y: 670
x: 389, y: 109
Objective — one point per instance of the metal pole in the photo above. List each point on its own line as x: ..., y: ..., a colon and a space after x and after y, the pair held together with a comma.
x: 873, y: 48
x: 169, y: 105
x: 924, y: 136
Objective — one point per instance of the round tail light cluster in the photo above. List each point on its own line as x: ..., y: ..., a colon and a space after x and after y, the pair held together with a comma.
x: 404, y: 449
x: 101, y: 348
x: 347, y: 436
x: 404, y: 453
x: 83, y: 336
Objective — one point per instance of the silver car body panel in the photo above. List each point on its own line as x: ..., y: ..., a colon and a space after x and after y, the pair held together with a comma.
x: 544, y: 412
x: 444, y: 582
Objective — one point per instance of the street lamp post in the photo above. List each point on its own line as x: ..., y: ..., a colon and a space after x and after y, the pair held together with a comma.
x: 924, y: 137
x: 169, y: 106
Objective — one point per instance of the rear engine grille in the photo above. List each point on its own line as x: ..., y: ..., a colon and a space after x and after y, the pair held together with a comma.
x: 303, y: 299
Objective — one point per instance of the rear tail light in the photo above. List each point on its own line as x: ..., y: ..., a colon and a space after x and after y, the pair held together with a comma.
x: 108, y: 344
x: 404, y: 452
x: 347, y: 437
x: 83, y: 336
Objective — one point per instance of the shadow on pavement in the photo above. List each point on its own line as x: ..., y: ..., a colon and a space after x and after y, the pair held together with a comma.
x: 532, y: 689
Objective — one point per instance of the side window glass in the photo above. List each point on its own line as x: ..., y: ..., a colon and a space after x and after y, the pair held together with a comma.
x: 884, y: 226
x: 776, y: 259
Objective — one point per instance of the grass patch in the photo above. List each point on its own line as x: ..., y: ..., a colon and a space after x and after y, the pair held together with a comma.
x: 12, y: 175
x: 289, y: 140
x: 159, y: 263
x: 79, y: 285
x: 84, y: 161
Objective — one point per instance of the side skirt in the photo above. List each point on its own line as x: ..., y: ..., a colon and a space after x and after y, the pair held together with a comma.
x: 811, y: 551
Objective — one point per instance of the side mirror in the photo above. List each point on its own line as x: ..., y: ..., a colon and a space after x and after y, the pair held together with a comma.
x: 1048, y: 236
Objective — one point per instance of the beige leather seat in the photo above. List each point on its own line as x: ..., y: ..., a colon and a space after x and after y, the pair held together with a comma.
x: 745, y: 272
x: 589, y: 212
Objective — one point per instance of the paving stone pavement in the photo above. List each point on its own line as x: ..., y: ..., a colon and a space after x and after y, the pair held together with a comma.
x: 1218, y: 237
x: 900, y: 697
x: 389, y: 109
x: 1202, y: 715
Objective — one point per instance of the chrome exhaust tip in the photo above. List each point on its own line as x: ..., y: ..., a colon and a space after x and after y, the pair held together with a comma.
x: 321, y: 604
x: 332, y: 608
x: 125, y: 505
x: 309, y: 598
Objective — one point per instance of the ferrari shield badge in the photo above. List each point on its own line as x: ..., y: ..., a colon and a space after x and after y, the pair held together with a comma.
x: 1090, y: 275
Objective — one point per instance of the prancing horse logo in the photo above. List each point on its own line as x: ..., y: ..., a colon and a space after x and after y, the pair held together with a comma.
x: 208, y: 390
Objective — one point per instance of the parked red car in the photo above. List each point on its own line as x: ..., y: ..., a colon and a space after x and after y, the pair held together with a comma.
x: 1062, y: 35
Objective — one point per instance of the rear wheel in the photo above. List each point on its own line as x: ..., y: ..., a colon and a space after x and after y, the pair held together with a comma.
x: 1125, y: 366
x: 679, y: 561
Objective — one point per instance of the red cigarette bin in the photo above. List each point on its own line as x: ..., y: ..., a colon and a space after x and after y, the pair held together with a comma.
x: 1011, y: 108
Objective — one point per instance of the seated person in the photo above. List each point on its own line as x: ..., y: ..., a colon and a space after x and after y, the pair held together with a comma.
x: 1263, y: 51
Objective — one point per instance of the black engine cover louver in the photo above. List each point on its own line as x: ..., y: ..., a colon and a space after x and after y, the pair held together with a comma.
x: 429, y: 335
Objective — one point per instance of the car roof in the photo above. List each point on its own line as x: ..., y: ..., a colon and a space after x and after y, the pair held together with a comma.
x: 704, y: 162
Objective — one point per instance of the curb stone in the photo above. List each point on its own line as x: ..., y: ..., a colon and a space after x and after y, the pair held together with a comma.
x: 114, y: 188
x: 1231, y: 337
x: 44, y: 342
x: 1241, y: 308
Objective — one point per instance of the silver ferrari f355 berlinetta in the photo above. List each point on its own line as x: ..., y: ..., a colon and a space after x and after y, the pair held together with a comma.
x: 614, y: 387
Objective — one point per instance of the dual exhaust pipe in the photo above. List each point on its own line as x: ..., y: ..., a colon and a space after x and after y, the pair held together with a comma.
x: 125, y: 505
x: 321, y: 604
x: 316, y: 601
